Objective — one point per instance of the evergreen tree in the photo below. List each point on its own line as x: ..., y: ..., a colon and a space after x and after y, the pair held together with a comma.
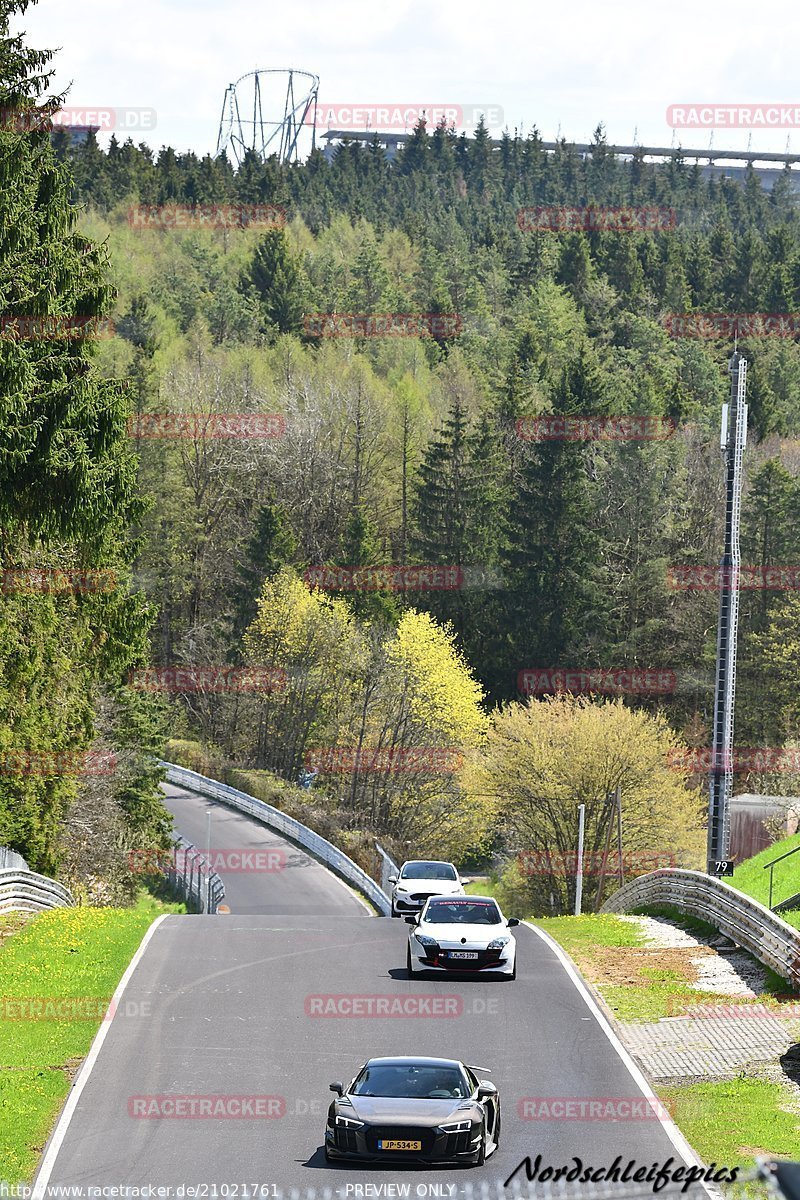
x: 276, y: 279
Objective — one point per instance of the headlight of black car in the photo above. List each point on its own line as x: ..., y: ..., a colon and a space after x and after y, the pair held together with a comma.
x: 349, y: 1122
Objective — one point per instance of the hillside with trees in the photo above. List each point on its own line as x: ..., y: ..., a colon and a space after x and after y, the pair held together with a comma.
x: 388, y: 452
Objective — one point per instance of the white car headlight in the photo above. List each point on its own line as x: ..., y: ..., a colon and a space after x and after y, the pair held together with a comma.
x: 424, y: 940
x: 498, y: 943
x: 456, y: 1127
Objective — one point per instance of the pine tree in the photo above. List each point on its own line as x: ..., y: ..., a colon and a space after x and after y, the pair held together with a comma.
x: 67, y: 472
x: 276, y: 279
x: 553, y: 558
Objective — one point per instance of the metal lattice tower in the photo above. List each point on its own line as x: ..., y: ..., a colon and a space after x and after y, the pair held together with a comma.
x: 244, y: 127
x: 732, y: 443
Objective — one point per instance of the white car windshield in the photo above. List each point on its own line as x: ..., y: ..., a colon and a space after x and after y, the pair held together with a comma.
x: 429, y: 870
x: 463, y: 912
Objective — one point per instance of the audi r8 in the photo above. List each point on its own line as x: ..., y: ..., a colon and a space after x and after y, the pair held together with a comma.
x: 433, y: 1110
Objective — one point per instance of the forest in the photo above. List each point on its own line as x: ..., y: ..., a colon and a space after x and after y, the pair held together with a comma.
x: 398, y: 487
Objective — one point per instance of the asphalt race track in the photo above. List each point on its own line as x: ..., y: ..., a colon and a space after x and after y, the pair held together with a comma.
x: 300, y: 886
x: 224, y: 1006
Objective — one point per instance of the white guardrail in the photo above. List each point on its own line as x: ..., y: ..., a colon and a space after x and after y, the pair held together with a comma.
x: 746, y: 922
x: 10, y: 858
x: 322, y: 849
x: 25, y: 891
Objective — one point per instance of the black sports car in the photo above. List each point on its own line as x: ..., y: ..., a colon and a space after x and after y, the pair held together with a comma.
x: 417, y: 1109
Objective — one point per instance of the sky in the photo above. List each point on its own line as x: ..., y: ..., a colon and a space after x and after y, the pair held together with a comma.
x: 562, y: 67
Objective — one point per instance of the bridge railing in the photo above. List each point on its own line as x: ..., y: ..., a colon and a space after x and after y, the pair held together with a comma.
x: 746, y: 922
x: 333, y: 858
x: 26, y: 891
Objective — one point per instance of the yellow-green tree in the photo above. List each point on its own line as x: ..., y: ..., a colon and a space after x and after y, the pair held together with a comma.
x: 315, y: 655
x: 544, y: 758
x: 384, y: 715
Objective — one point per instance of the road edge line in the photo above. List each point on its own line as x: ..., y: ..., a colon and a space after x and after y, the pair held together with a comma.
x: 55, y: 1143
x: 689, y: 1156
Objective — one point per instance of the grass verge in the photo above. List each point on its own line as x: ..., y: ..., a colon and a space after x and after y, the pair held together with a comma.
x: 734, y: 1120
x: 751, y: 878
x: 726, y: 1121
x: 74, y: 954
x: 640, y: 982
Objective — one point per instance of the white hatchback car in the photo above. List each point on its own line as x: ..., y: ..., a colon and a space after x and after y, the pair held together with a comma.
x: 466, y: 933
x: 419, y: 879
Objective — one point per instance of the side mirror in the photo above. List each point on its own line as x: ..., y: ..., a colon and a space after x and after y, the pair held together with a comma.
x: 512, y: 921
x: 412, y: 920
x: 486, y: 1090
x: 338, y: 1088
x: 392, y: 879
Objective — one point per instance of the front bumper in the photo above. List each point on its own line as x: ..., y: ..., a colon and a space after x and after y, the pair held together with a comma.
x: 488, y: 961
x: 437, y: 1146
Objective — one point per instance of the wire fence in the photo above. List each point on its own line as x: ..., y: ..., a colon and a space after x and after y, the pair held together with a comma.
x: 191, y: 876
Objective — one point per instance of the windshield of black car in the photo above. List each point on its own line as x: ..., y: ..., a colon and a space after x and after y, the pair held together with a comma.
x: 428, y: 870
x: 412, y: 1081
x: 443, y: 912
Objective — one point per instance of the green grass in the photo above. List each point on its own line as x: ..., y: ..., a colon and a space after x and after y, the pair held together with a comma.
x: 581, y: 934
x: 483, y: 887
x: 734, y: 1120
x: 68, y: 953
x: 751, y: 878
x: 654, y: 990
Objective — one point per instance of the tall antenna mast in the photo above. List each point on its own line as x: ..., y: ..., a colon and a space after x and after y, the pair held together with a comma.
x: 733, y: 439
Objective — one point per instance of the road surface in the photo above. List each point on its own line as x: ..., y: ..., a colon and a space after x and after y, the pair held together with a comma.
x: 223, y: 1006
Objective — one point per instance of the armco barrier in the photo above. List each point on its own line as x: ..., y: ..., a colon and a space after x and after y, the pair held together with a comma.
x: 10, y: 858
x: 746, y: 922
x: 25, y: 891
x: 281, y: 823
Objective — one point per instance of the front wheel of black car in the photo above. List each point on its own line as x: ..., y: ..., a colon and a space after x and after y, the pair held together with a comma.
x: 481, y: 1159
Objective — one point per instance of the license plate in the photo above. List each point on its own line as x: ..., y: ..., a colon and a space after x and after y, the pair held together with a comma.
x: 397, y: 1144
x: 463, y: 953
